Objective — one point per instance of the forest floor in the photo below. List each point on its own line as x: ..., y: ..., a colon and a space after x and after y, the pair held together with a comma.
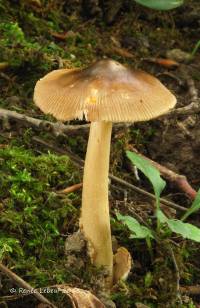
x: 37, y: 161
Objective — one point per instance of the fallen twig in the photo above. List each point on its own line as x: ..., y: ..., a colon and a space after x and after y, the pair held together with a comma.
x: 57, y: 128
x: 6, y: 77
x: 192, y: 89
x: 179, y: 180
x: 177, y: 272
x: 75, y: 158
x: 22, y: 283
x: 194, y: 106
x: 168, y: 63
x: 80, y: 163
x: 190, y: 109
x: 70, y: 189
x: 151, y: 196
x: 173, y: 76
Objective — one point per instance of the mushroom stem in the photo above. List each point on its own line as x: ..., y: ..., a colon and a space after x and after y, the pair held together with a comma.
x: 95, y: 219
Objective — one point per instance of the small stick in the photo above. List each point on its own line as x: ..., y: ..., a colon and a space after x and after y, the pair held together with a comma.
x: 57, y: 128
x: 22, y: 283
x: 80, y: 163
x: 168, y: 63
x: 141, y: 191
x: 178, y: 293
x: 173, y: 76
x: 192, y: 89
x: 190, y: 109
x: 179, y: 180
x: 194, y: 107
x: 75, y: 158
x: 5, y: 76
x: 70, y: 189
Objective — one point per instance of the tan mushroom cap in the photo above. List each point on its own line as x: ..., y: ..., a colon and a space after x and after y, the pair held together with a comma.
x: 105, y: 91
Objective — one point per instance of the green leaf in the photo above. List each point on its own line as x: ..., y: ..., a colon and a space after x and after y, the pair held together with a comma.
x: 8, y: 245
x: 162, y: 5
x: 161, y: 216
x: 52, y: 228
x: 184, y: 229
x: 194, y: 207
x: 137, y: 230
x: 150, y: 172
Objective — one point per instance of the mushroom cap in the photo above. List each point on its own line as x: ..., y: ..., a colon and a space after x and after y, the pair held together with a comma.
x: 105, y: 91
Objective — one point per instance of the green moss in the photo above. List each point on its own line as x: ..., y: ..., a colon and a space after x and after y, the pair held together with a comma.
x: 33, y: 216
x: 17, y: 50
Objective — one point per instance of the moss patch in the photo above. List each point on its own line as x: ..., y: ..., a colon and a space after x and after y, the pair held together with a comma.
x: 33, y: 217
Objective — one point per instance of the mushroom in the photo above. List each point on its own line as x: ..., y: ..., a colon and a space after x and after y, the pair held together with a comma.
x: 103, y: 93
x: 122, y: 263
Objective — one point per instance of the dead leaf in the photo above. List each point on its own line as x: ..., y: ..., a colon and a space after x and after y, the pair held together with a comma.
x: 168, y: 63
x: 122, y: 52
x: 61, y: 36
x: 64, y: 35
x: 81, y: 298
